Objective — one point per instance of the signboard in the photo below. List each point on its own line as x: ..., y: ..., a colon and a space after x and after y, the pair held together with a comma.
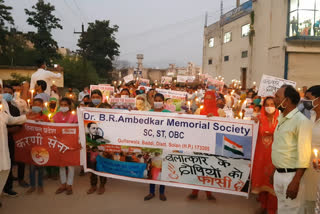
x: 128, y: 78
x: 269, y: 85
x: 186, y: 79
x: 190, y: 151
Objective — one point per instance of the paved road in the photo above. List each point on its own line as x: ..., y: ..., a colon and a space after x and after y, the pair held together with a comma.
x: 120, y: 197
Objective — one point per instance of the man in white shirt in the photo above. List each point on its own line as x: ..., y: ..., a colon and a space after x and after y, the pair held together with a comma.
x: 5, y: 163
x: 83, y: 93
x: 43, y: 74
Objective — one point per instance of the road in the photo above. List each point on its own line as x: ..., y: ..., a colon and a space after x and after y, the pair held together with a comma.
x: 120, y: 197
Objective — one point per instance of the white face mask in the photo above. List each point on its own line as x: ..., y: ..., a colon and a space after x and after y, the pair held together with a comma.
x: 158, y: 105
x: 64, y: 109
x: 124, y: 96
x: 270, y: 110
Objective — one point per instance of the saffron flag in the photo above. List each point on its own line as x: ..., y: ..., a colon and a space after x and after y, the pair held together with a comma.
x: 233, y: 147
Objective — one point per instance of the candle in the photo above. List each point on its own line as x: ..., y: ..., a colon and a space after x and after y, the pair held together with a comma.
x: 73, y: 112
x: 49, y: 115
x: 53, y: 82
x: 32, y: 91
x: 0, y: 107
x: 120, y: 82
x: 240, y: 114
x: 201, y: 107
x: 316, y: 153
x: 197, y: 100
x: 46, y: 104
x: 107, y: 97
x: 189, y: 105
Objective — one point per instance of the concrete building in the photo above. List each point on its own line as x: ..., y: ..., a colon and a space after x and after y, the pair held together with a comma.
x: 275, y: 37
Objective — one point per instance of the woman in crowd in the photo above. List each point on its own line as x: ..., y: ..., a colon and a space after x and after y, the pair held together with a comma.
x: 210, y: 109
x: 37, y: 115
x: 96, y: 102
x: 142, y: 103
x: 312, y: 177
x: 156, y: 164
x: 65, y: 116
x: 262, y: 165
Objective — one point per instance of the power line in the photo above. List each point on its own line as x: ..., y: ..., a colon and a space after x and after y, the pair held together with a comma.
x: 80, y: 11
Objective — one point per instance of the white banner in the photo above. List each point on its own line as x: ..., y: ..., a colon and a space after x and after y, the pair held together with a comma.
x: 166, y: 80
x: 269, y: 85
x: 186, y: 79
x: 128, y: 78
x: 213, y: 154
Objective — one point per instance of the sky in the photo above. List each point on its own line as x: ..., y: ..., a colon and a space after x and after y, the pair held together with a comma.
x: 166, y: 31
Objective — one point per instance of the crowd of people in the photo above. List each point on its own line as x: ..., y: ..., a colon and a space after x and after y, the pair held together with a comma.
x: 284, y: 171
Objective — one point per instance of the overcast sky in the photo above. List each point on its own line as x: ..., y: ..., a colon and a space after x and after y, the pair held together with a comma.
x: 166, y: 31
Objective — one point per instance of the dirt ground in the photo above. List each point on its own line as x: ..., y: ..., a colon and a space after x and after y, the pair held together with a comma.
x: 120, y: 197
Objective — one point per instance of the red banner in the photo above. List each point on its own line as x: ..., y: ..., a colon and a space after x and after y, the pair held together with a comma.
x: 48, y: 144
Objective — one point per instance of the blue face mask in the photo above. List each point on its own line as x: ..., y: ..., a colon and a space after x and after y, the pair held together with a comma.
x: 36, y: 109
x: 96, y: 101
x: 211, y: 87
x: 7, y: 97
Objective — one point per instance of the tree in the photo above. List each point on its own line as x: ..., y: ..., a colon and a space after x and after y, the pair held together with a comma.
x: 99, y: 46
x: 41, y: 17
x: 78, y: 73
x: 5, y: 17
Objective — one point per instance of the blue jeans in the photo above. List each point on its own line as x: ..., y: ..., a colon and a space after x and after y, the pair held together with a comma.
x: 153, y: 188
x: 33, y: 169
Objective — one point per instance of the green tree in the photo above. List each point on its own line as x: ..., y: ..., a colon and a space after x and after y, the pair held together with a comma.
x: 99, y: 46
x: 42, y: 18
x: 5, y: 18
x: 78, y: 72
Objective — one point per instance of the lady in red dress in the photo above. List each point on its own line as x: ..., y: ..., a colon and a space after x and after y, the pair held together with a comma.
x: 262, y: 164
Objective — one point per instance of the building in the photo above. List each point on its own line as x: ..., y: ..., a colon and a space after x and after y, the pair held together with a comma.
x: 275, y: 37
x: 154, y: 74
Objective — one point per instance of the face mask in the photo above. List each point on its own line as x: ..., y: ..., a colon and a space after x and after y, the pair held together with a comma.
x: 124, y: 96
x: 96, y: 101
x: 17, y: 94
x: 211, y: 87
x: 308, y: 104
x: 64, y: 109
x: 7, y: 97
x: 36, y: 109
x: 158, y: 105
x: 280, y: 107
x: 270, y: 110
x: 257, y: 101
x: 52, y: 105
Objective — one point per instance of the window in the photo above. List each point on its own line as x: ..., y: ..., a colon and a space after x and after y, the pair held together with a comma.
x: 244, y: 54
x: 304, y: 18
x: 210, y: 61
x: 226, y: 58
x: 245, y: 30
x: 211, y: 42
x: 227, y: 37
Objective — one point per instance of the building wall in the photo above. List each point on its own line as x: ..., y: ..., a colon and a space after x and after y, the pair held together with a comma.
x: 269, y: 40
x: 303, y: 68
x: 230, y: 69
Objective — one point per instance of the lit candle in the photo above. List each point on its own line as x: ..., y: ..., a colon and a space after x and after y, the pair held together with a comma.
x: 299, y: 89
x: 201, y: 107
x: 189, y: 105
x: 240, y: 114
x: 46, y: 104
x: 107, y: 97
x: 0, y: 107
x: 49, y: 115
x: 53, y: 82
x: 120, y: 82
x: 73, y: 112
x: 315, y: 151
x: 28, y: 101
x: 32, y: 91
x: 197, y: 100
x: 254, y: 83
